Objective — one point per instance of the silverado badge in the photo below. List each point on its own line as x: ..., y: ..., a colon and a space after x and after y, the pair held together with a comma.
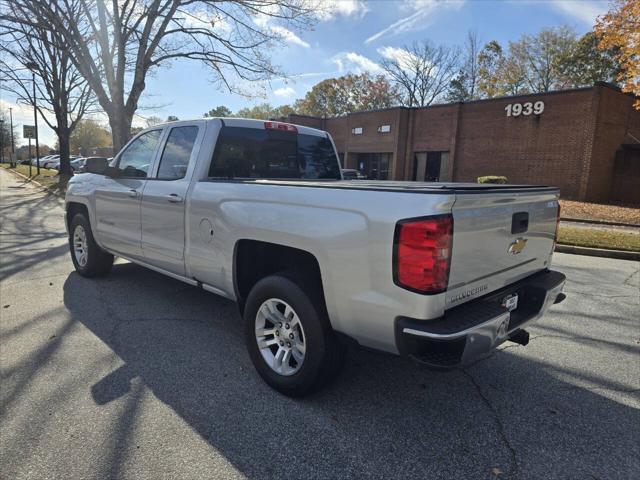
x: 517, y: 246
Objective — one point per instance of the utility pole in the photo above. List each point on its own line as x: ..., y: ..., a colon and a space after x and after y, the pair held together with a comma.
x: 13, y: 145
x: 33, y: 66
x: 2, y: 122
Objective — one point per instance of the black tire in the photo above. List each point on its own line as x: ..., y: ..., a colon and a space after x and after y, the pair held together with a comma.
x: 325, y: 352
x: 98, y: 262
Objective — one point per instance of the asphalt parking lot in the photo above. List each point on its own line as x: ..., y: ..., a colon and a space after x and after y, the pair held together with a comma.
x: 140, y: 376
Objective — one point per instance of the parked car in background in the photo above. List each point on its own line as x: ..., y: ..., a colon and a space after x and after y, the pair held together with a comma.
x: 259, y: 213
x: 49, y: 161
x: 76, y: 163
x: 352, y: 174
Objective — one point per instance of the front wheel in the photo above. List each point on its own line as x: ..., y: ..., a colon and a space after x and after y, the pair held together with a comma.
x: 289, y: 338
x: 88, y: 258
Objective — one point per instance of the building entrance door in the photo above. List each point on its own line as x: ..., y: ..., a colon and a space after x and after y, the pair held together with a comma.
x: 430, y: 166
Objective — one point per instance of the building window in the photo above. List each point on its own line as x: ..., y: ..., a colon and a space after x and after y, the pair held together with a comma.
x: 384, y: 128
x: 356, y: 130
x: 431, y: 167
x: 375, y: 166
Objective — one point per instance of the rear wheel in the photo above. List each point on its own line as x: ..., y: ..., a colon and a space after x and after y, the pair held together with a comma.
x: 289, y: 338
x: 88, y: 258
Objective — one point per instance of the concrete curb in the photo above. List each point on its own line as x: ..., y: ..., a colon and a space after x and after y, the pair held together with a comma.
x: 598, y: 252
x: 599, y: 222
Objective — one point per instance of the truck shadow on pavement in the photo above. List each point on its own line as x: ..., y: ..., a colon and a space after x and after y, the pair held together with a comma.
x: 385, y: 417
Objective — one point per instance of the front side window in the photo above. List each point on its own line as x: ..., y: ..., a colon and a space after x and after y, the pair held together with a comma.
x: 136, y: 160
x: 255, y: 153
x: 177, y: 152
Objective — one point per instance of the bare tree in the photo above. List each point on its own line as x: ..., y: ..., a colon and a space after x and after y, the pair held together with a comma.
x: 464, y: 85
x: 62, y: 95
x: 118, y: 42
x: 422, y: 72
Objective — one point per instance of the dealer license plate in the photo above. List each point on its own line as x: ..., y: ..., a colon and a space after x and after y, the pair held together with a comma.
x: 510, y: 302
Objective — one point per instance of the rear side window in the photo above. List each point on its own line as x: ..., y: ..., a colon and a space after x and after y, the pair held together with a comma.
x: 256, y: 153
x: 176, y: 154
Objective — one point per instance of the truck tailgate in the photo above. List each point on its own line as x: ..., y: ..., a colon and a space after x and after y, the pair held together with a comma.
x: 498, y: 239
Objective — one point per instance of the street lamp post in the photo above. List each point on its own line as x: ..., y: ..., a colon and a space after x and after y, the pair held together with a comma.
x: 33, y: 66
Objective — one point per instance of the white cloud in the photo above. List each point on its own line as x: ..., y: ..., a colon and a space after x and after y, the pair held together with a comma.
x: 403, y: 57
x: 284, y: 92
x: 423, y: 12
x: 331, y: 9
x: 584, y: 11
x: 355, y: 63
x: 288, y: 36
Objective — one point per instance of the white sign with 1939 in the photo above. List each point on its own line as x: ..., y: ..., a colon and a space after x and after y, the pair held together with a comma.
x: 528, y: 108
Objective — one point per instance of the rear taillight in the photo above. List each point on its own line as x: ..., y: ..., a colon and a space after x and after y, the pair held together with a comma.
x: 422, y: 254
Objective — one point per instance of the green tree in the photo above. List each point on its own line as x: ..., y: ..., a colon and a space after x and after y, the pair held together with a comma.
x: 219, y: 111
x: 350, y: 93
x: 87, y: 135
x: 540, y: 57
x: 586, y: 64
x: 263, y: 111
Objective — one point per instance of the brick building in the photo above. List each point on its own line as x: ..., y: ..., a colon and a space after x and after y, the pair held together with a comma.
x: 585, y: 141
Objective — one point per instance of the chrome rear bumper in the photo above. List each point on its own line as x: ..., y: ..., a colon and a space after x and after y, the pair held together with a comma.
x: 468, y: 332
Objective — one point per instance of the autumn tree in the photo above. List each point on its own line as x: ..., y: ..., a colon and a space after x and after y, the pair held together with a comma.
x: 219, y: 111
x: 117, y: 44
x: 89, y: 134
x: 619, y: 30
x: 350, y: 93
x: 62, y: 95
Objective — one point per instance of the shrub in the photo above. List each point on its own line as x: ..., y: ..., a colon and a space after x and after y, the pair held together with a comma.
x: 492, y: 179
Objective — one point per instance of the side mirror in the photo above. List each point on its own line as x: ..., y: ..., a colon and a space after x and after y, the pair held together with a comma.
x: 96, y: 165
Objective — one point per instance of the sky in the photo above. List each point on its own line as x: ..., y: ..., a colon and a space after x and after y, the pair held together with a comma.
x: 351, y: 36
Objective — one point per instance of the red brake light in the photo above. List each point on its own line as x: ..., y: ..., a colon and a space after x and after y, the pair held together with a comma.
x: 285, y: 127
x: 422, y: 254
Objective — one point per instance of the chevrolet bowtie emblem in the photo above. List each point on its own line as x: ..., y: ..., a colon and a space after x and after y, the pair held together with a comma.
x: 517, y: 246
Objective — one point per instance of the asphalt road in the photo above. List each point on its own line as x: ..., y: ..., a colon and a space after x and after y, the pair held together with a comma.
x: 140, y: 376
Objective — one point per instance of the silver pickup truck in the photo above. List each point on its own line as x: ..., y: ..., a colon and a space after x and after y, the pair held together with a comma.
x: 258, y: 212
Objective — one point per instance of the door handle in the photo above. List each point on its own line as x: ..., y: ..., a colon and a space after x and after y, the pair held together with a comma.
x: 174, y: 198
x: 133, y: 193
